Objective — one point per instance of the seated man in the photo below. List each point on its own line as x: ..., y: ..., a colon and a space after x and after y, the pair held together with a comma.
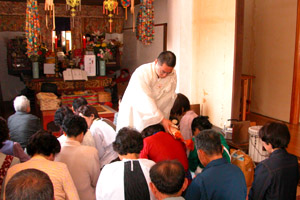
x: 277, y: 176
x: 168, y: 180
x: 22, y: 125
x: 219, y: 179
x: 82, y: 161
x: 199, y: 124
x: 29, y: 184
x: 128, y: 178
x: 161, y: 146
x: 43, y: 146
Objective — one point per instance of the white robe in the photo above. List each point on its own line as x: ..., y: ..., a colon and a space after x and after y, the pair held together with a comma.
x: 110, y: 184
x: 148, y: 99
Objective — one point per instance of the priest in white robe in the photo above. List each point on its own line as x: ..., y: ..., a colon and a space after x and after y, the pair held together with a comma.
x: 150, y: 94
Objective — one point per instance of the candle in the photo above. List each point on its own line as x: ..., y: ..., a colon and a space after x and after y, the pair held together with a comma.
x: 55, y: 42
x: 84, y: 42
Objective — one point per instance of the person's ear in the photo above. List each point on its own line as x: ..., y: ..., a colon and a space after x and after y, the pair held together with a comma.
x: 153, y: 189
x: 156, y: 61
x: 185, y: 184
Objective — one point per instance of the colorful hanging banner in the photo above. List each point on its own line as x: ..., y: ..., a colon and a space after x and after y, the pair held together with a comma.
x: 145, y: 22
x: 32, y: 27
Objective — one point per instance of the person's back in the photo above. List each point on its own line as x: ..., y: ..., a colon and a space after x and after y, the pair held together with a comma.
x: 42, y: 147
x: 22, y: 125
x: 163, y: 146
x: 219, y: 179
x: 82, y: 161
x: 276, y: 177
x: 280, y: 169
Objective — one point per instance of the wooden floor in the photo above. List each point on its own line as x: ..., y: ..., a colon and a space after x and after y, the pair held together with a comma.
x: 294, y: 146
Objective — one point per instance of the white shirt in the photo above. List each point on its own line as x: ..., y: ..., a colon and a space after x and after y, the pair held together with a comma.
x: 110, y: 184
x: 148, y: 99
x: 104, y: 135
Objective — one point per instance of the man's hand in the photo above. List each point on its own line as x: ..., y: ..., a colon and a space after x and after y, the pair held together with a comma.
x: 166, y: 124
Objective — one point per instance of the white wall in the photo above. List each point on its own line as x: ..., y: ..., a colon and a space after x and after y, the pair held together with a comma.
x: 136, y: 53
x: 213, y: 56
x: 180, y: 21
x: 11, y: 86
x: 269, y: 44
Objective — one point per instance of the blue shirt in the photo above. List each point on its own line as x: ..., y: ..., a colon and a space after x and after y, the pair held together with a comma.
x: 219, y: 180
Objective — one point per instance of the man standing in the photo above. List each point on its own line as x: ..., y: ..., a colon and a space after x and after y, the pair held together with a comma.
x: 219, y: 179
x: 150, y: 94
x: 22, y: 125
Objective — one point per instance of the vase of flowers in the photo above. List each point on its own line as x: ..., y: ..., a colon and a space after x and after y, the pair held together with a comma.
x: 37, y: 59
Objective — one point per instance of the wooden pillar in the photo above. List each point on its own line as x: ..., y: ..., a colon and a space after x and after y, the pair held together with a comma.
x: 295, y: 99
x: 238, y: 59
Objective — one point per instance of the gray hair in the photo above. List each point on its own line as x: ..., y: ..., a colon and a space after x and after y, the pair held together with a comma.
x: 21, y: 103
x: 209, y: 141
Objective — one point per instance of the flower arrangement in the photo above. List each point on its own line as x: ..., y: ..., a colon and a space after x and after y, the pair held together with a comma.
x: 103, y: 49
x: 41, y: 54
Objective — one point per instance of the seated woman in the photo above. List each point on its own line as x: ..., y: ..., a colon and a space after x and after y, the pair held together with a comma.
x: 82, y: 161
x: 199, y: 124
x: 9, y: 147
x: 42, y: 147
x: 159, y: 146
x: 128, y: 178
x: 104, y: 135
x: 182, y: 111
x: 59, y: 116
x: 277, y: 176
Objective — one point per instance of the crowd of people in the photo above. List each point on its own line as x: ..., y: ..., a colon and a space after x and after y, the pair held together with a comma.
x: 139, y: 158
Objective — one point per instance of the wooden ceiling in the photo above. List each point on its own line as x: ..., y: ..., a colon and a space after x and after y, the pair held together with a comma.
x: 83, y: 2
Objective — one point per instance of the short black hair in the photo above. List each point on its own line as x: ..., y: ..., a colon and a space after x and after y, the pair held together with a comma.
x: 87, y: 111
x: 209, y: 141
x: 276, y: 134
x: 60, y: 115
x: 30, y: 184
x: 4, y: 131
x: 74, y: 125
x: 79, y: 102
x: 168, y: 58
x: 150, y: 130
x: 43, y: 143
x: 128, y: 140
x: 181, y: 104
x: 201, y: 122
x: 167, y: 176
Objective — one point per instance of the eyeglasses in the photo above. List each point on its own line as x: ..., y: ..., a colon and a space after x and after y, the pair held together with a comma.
x: 162, y: 72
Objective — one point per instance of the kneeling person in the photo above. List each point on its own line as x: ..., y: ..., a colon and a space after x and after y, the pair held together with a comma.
x: 168, y: 180
x: 219, y: 179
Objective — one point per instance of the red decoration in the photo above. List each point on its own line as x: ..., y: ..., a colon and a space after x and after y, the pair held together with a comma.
x: 55, y: 42
x: 84, y: 42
